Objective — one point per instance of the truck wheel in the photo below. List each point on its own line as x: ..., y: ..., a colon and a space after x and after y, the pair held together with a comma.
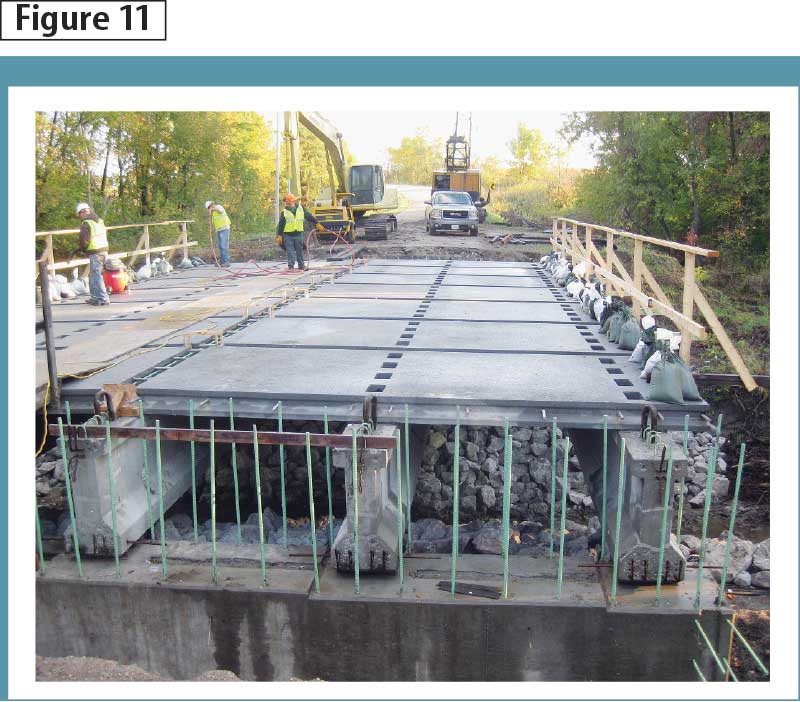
x: 473, y: 231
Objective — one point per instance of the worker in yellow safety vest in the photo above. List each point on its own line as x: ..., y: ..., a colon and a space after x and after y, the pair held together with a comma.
x: 291, y: 227
x: 94, y: 242
x: 221, y: 224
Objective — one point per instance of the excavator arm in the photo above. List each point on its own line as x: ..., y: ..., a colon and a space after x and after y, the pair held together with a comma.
x: 332, y: 139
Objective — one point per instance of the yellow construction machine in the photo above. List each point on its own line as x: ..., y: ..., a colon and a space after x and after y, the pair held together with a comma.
x: 356, y: 192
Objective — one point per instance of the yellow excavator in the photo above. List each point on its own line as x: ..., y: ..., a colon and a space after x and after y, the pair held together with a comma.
x: 356, y: 192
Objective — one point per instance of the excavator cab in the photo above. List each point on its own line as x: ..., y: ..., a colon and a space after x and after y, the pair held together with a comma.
x: 366, y: 185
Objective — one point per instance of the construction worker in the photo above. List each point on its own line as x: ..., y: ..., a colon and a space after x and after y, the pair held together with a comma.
x: 94, y: 242
x: 221, y: 224
x: 291, y: 226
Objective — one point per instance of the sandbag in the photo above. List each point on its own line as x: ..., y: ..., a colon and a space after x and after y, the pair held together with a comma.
x: 638, y: 353
x: 616, y: 323
x: 598, y: 307
x: 666, y: 381
x: 629, y: 335
x: 688, y: 385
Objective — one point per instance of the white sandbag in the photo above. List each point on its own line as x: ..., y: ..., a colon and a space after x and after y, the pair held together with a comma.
x: 673, y: 337
x: 580, y: 269
x: 638, y: 352
x: 144, y: 273
x: 61, y: 279
x: 648, y: 322
x: 80, y: 286
x: 574, y: 288
x: 648, y: 367
x: 55, y: 290
x: 598, y: 307
x: 164, y: 267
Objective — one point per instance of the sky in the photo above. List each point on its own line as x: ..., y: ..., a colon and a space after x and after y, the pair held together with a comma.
x: 368, y: 134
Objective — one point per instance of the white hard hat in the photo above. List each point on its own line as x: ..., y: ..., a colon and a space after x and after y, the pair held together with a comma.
x: 209, y: 203
x: 82, y: 206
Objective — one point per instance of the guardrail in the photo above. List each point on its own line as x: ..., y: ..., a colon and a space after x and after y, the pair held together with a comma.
x: 567, y: 239
x: 142, y: 248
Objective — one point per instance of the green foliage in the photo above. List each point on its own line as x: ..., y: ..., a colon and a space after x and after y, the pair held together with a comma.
x: 415, y: 159
x: 661, y: 173
x: 530, y: 152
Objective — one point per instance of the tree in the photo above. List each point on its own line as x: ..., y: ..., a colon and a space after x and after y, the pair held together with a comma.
x: 415, y: 159
x: 530, y: 152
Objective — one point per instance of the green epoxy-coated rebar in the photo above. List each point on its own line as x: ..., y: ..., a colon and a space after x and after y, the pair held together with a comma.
x: 564, y: 491
x: 710, y: 647
x: 283, y: 478
x: 68, y: 411
x: 311, y: 512
x: 235, y: 476
x: 70, y: 503
x: 399, y: 464
x: 605, y: 490
x: 507, y: 460
x: 356, y: 564
x: 409, y: 496
x: 730, y: 670
x: 330, y: 486
x: 260, y: 507
x: 553, y: 485
x: 734, y: 505
x: 664, y: 526
x: 748, y: 647
x: 711, y: 471
x: 698, y: 671
x: 161, y: 530
x: 212, y: 450
x: 147, y: 486
x: 194, y: 478
x: 456, y: 485
x: 683, y: 479
x: 39, y: 544
x: 618, y: 528
x: 112, y: 498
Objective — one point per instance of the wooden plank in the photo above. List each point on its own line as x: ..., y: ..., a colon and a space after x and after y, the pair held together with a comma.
x: 117, y: 226
x: 727, y: 379
x: 588, y: 252
x: 637, y: 273
x: 124, y: 254
x: 689, y: 286
x: 724, y: 340
x: 137, y: 251
x: 708, y: 253
x: 654, y: 286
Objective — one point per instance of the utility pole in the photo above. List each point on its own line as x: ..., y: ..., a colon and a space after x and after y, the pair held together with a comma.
x: 277, y: 167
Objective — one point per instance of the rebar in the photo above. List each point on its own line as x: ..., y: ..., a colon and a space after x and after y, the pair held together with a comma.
x: 70, y: 502
x: 329, y: 484
x: 194, y: 478
x: 711, y: 472
x: 683, y: 479
x: 161, y: 530
x: 110, y: 467
x: 553, y: 485
x: 710, y: 647
x: 399, y: 464
x: 409, y: 496
x: 68, y: 411
x: 507, y: 447
x: 564, y: 491
x: 147, y: 486
x: 748, y: 647
x: 456, y: 485
x: 730, y: 670
x: 699, y: 672
x: 356, y: 564
x: 257, y: 461
x: 605, y: 490
x: 662, y: 544
x: 311, y: 512
x: 213, y: 506
x: 235, y: 476
x: 734, y: 505
x: 39, y: 544
x: 283, y: 478
x: 620, y: 500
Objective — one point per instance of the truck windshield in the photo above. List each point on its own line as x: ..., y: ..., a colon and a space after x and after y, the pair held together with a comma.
x: 452, y: 199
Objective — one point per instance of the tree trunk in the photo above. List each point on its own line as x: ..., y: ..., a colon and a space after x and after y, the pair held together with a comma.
x: 732, y: 132
x: 693, y: 157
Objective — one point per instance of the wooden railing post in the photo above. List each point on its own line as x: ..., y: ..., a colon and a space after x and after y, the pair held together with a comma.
x: 49, y: 250
x: 146, y: 237
x: 589, y: 264
x: 185, y: 242
x: 554, y: 235
x: 688, y: 303
x: 638, y: 309
x: 573, y: 244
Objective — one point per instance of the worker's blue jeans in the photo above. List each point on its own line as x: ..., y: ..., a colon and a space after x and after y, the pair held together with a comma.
x: 97, y: 288
x: 294, y: 249
x: 223, y: 239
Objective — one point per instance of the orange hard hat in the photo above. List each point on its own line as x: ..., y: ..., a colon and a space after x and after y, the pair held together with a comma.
x: 289, y: 198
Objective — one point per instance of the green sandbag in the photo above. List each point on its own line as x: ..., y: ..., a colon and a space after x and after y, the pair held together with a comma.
x: 689, y: 387
x: 604, y: 326
x: 629, y: 335
x: 649, y: 350
x: 615, y: 326
x: 666, y: 381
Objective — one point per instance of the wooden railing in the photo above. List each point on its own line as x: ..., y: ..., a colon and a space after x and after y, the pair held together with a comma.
x: 142, y: 248
x: 566, y: 237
